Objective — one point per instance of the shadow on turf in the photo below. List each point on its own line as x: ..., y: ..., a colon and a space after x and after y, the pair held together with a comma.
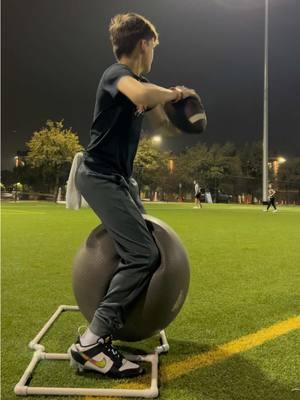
x: 234, y: 378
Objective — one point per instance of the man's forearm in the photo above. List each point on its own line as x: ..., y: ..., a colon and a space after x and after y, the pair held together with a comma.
x: 155, y: 95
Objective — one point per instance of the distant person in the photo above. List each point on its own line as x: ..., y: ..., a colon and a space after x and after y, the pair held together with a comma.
x: 197, y: 195
x: 14, y: 195
x: 271, y: 199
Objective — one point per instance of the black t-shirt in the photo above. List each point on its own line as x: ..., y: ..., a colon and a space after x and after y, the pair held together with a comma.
x: 116, y: 127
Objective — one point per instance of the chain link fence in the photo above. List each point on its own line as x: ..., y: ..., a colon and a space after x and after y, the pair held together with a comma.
x: 237, y: 189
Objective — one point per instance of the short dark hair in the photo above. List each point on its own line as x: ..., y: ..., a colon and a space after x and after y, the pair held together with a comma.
x: 127, y: 29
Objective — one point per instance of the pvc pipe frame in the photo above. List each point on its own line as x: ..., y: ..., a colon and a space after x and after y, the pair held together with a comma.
x: 22, y: 389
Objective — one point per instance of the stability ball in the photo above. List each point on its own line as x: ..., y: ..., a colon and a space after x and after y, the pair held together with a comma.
x: 158, y: 305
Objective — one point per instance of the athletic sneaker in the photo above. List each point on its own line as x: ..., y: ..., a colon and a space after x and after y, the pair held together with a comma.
x: 275, y: 210
x: 104, y: 358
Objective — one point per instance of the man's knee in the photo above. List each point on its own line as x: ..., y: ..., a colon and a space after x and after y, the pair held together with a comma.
x: 147, y: 256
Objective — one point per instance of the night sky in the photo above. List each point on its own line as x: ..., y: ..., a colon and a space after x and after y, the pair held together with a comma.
x: 54, y: 52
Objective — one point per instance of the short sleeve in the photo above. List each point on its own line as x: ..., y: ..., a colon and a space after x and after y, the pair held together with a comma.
x: 112, y: 76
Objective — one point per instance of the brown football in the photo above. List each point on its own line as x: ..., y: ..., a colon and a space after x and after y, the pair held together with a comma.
x: 188, y: 115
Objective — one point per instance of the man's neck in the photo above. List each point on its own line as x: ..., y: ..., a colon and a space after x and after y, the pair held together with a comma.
x: 134, y: 64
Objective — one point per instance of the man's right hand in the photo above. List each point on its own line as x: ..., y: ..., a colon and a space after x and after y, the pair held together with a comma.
x: 187, y: 92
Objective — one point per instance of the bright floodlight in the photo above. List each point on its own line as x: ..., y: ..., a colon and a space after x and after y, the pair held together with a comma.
x: 156, y: 139
x: 281, y: 160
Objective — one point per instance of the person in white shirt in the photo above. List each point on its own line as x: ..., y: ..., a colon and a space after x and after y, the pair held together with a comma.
x: 272, y: 199
x: 197, y: 195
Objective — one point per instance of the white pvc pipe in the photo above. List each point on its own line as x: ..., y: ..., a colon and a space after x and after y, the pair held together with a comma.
x: 40, y: 354
x: 19, y: 388
x: 34, y: 343
x: 146, y: 393
x: 56, y: 356
x: 23, y: 390
x: 165, y: 347
x: 154, y: 377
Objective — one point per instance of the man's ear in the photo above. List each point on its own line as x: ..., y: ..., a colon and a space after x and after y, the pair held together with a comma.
x: 143, y: 44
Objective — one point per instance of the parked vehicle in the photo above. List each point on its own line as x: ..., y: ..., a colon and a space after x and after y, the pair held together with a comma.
x: 6, y: 195
x: 220, y: 197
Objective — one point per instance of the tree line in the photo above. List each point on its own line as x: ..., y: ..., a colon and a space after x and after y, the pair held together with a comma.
x: 217, y: 168
x: 50, y: 152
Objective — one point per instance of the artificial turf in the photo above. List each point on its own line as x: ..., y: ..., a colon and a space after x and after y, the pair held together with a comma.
x: 245, y: 275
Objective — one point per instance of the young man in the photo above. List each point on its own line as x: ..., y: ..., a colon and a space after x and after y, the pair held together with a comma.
x: 104, y: 179
x: 272, y: 199
x: 197, y: 195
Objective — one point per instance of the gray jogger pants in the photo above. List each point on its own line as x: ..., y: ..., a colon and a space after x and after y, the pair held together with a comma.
x: 116, y: 202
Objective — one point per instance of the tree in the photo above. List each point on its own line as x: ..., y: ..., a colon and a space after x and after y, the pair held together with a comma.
x: 289, y: 179
x: 8, y: 178
x: 251, y: 160
x: 150, y: 165
x: 251, y: 163
x: 290, y: 171
x: 31, y: 177
x: 223, y: 168
x: 209, y: 166
x: 192, y: 164
x: 51, y: 150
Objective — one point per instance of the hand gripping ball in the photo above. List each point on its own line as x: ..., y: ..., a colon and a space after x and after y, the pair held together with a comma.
x: 158, y: 305
x: 187, y: 115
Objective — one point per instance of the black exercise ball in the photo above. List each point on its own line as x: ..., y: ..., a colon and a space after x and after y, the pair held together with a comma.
x: 187, y: 115
x: 158, y: 305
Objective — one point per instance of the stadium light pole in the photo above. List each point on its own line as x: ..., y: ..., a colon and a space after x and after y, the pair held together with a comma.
x: 265, y: 160
x: 266, y: 107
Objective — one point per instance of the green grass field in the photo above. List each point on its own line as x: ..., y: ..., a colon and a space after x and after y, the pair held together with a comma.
x: 245, y: 276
